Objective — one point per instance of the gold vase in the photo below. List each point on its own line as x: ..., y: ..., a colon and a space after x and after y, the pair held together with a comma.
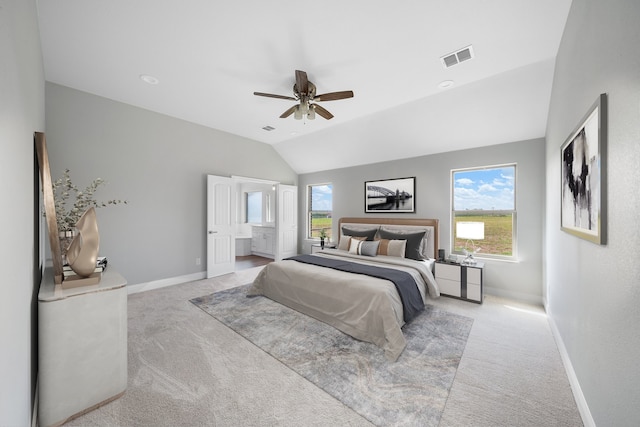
x: 65, y: 240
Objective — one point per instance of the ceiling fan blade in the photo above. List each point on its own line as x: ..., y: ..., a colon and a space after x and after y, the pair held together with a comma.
x: 323, y: 112
x: 332, y: 96
x: 288, y: 112
x: 270, y: 95
x: 302, y: 82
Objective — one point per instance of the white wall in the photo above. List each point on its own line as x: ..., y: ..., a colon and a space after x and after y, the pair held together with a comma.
x: 522, y: 279
x: 159, y: 164
x: 594, y: 291
x: 21, y: 113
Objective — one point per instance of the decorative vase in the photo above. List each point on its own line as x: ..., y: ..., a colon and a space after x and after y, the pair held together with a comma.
x: 322, y: 242
x: 82, y: 254
x: 66, y: 237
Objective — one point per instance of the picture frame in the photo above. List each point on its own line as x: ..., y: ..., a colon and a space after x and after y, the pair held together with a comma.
x: 40, y: 143
x: 583, y: 176
x: 395, y: 195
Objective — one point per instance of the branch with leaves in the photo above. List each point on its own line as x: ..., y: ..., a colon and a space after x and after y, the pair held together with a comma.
x: 64, y: 188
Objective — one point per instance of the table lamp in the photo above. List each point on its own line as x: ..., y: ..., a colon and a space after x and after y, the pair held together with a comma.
x: 470, y: 231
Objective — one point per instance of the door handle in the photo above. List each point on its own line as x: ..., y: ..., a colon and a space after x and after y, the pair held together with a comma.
x: 212, y: 232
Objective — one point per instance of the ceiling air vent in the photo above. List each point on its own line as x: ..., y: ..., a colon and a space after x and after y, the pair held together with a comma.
x: 268, y: 128
x: 451, y: 59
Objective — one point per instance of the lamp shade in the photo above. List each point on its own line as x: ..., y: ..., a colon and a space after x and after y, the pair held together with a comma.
x: 470, y: 230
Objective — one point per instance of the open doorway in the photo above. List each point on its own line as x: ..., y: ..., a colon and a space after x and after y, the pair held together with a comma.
x: 248, y: 216
x: 255, y: 222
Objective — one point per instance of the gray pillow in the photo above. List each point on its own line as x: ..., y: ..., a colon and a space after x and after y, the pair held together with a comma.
x: 369, y: 248
x: 366, y: 248
x: 413, y: 242
x: 369, y: 234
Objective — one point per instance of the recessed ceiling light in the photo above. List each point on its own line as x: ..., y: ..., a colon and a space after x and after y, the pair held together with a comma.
x: 149, y: 79
x: 445, y: 84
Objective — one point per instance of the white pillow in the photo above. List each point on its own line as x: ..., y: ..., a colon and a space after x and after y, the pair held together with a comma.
x: 354, y: 246
x: 345, y: 241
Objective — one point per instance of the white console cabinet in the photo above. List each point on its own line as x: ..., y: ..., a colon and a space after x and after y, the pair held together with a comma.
x: 460, y: 281
x: 262, y: 241
x: 82, y: 338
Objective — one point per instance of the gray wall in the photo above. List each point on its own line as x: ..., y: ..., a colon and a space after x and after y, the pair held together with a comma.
x: 593, y: 294
x: 522, y: 279
x: 21, y: 113
x: 159, y: 164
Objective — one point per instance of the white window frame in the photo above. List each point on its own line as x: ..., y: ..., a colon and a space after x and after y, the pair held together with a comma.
x: 308, y: 225
x: 514, y: 214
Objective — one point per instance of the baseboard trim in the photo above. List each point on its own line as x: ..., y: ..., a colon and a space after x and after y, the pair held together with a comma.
x: 163, y: 283
x: 518, y: 296
x: 583, y: 407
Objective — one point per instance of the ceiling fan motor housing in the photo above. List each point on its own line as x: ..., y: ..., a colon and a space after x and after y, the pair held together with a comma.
x: 305, y: 97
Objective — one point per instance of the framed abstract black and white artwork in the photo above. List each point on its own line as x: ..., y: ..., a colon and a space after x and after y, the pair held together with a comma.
x: 583, y: 157
x: 390, y: 195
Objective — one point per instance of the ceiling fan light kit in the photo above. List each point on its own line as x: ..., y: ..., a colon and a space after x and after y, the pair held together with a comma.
x: 304, y: 92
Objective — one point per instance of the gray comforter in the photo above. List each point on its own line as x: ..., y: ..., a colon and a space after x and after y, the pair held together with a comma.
x: 364, y: 307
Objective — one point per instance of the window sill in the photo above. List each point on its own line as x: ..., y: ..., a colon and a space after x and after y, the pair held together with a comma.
x: 478, y: 257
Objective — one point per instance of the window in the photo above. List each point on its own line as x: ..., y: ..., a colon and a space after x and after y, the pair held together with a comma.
x: 484, y: 203
x: 254, y: 207
x: 320, y: 205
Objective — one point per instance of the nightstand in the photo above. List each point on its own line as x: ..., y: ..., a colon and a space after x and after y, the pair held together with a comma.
x: 460, y: 281
x: 315, y: 247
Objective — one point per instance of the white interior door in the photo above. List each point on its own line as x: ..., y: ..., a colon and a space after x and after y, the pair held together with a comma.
x: 221, y: 219
x: 287, y: 222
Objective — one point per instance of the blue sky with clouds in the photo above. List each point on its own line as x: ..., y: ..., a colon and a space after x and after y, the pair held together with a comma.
x: 321, y: 197
x: 484, y: 189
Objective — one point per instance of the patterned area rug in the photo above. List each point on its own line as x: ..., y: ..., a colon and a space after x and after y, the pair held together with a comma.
x: 409, y: 392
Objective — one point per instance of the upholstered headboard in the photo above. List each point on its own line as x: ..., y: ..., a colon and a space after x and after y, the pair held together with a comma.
x: 433, y: 242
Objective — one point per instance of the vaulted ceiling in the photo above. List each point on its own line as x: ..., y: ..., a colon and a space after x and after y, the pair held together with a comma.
x: 209, y: 56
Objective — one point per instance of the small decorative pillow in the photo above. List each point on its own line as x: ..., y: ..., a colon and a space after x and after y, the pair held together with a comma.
x: 354, y: 246
x: 392, y: 247
x: 413, y: 242
x: 345, y: 242
x: 368, y: 234
x: 364, y: 247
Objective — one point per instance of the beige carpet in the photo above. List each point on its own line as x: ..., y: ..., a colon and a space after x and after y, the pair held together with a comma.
x: 186, y: 370
x: 413, y: 390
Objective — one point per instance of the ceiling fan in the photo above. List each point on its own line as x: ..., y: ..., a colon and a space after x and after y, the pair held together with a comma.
x: 305, y: 93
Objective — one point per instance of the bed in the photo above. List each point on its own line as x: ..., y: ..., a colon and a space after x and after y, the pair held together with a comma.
x: 368, y: 308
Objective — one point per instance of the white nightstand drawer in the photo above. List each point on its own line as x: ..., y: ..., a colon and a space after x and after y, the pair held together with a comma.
x: 474, y: 292
x: 450, y: 272
x: 474, y: 275
x: 449, y: 287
